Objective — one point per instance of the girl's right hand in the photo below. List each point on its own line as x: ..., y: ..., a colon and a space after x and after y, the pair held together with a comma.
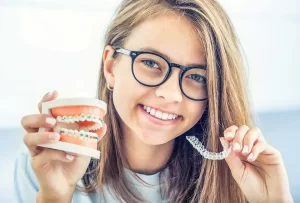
x: 56, y: 171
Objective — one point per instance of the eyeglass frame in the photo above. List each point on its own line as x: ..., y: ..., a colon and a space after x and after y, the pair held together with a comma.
x: 135, y: 54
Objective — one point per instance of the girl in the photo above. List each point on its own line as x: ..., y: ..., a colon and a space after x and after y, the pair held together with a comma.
x: 170, y: 69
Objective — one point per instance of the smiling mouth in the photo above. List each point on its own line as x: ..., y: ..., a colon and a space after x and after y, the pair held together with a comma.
x: 160, y: 114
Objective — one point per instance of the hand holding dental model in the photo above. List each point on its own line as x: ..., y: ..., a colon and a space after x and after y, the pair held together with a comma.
x: 58, y: 171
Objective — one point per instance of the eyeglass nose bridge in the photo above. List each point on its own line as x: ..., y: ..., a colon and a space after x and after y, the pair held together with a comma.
x: 175, y: 65
x: 183, y: 70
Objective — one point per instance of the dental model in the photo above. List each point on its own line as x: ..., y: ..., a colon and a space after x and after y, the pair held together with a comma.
x: 206, y: 154
x: 79, y: 123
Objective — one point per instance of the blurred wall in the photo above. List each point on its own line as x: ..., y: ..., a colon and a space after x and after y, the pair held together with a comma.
x: 47, y: 45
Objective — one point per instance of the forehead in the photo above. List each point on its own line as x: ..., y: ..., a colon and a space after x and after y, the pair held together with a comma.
x: 171, y: 35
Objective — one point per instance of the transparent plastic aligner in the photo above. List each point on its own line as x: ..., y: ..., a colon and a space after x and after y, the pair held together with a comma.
x: 206, y: 154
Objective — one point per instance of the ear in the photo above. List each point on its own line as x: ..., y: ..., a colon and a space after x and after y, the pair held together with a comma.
x: 108, y: 64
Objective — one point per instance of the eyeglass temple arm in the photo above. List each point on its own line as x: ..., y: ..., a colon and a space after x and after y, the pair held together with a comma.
x: 123, y: 51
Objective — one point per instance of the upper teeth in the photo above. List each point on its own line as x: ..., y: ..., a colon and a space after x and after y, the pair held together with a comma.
x: 159, y: 114
x: 77, y: 118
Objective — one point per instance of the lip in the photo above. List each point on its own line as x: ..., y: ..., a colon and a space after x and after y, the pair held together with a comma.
x: 155, y: 120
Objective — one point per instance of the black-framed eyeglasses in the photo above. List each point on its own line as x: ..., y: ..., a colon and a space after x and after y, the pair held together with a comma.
x: 151, y: 69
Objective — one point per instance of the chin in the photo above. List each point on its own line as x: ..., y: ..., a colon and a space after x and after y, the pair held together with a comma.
x: 155, y: 138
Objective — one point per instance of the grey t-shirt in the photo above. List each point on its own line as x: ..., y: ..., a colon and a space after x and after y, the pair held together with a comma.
x: 26, y: 186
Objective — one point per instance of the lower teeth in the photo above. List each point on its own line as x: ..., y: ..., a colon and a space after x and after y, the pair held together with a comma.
x: 79, y: 134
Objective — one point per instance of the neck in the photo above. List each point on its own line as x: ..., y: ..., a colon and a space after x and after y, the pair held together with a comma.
x: 143, y: 158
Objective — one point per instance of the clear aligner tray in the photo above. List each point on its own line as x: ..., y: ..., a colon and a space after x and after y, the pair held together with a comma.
x: 206, y: 154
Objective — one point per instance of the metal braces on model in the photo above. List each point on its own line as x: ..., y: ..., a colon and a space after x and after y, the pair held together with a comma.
x: 79, y: 123
x: 206, y: 154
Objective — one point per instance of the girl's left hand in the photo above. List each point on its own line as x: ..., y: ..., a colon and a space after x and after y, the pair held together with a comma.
x: 252, y: 161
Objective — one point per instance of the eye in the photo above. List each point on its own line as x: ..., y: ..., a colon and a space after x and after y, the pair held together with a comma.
x: 150, y: 63
x: 198, y: 78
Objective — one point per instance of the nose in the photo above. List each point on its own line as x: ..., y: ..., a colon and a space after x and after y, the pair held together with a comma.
x: 170, y: 89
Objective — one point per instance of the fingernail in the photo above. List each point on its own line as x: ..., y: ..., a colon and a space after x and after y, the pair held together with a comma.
x: 245, y: 150
x: 250, y: 156
x: 229, y: 135
x: 222, y: 141
x: 236, y: 146
x: 50, y: 121
x: 69, y: 157
x: 50, y: 94
x: 54, y: 136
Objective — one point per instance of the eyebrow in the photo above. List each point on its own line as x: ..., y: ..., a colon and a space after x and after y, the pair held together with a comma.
x: 149, y: 49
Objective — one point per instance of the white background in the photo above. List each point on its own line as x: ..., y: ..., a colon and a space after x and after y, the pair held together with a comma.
x: 47, y: 45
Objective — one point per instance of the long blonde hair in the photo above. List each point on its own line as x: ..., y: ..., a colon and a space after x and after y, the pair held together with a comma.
x: 190, y: 178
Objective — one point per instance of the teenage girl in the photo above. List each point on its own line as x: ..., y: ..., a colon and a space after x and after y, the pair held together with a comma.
x: 170, y: 69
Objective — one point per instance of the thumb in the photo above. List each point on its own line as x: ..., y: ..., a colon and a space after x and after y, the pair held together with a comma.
x: 47, y: 97
x: 234, y: 162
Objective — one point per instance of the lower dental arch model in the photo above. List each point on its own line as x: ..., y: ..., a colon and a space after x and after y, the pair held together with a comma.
x: 206, y: 154
x: 79, y: 123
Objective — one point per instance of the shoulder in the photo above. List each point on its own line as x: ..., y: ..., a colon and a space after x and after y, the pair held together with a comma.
x: 23, y: 171
x: 25, y: 182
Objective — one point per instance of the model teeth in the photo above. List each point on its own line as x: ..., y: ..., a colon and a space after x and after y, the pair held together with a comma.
x: 80, y: 134
x: 94, y: 127
x: 159, y: 114
x: 77, y: 118
x: 84, y: 133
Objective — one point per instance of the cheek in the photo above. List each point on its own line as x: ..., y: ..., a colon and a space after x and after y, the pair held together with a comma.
x: 127, y: 91
x: 195, y: 111
x: 122, y: 83
x: 124, y: 93
x: 122, y: 100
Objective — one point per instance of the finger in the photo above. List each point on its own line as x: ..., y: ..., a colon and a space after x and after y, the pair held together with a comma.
x: 271, y: 155
x: 234, y: 162
x: 31, y: 140
x: 237, y: 142
x: 48, y: 155
x: 230, y: 132
x: 31, y: 123
x: 257, y: 149
x: 47, y: 97
x: 249, y: 140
